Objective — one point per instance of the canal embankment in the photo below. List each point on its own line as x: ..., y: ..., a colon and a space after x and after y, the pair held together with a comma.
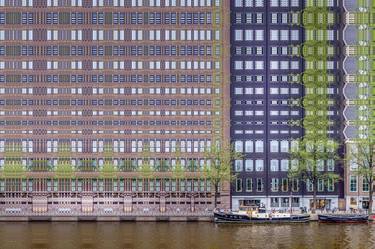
x: 163, y: 218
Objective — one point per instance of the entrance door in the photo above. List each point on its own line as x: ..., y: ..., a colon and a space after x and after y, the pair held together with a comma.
x: 321, y: 204
x: 365, y: 203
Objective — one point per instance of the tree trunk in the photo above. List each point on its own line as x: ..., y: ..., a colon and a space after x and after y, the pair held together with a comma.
x: 313, y: 209
x: 370, y: 199
x: 216, y: 194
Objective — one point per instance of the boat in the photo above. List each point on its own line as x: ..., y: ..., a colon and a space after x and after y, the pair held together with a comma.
x: 255, y: 214
x: 343, y: 218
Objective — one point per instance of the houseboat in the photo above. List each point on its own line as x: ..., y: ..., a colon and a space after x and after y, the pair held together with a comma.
x: 343, y: 218
x: 255, y: 214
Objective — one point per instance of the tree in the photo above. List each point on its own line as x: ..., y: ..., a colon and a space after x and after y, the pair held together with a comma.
x: 308, y: 157
x: 108, y: 170
x: 218, y: 166
x: 162, y: 165
x: 178, y: 171
x: 145, y: 169
x: 13, y: 167
x: 64, y: 168
x: 126, y: 165
x: 362, y: 156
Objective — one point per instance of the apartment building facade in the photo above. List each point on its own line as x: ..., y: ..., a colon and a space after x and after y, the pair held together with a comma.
x: 100, y: 100
x: 267, y: 60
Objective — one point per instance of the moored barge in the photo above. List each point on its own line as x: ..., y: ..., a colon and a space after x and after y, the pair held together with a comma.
x: 257, y: 215
x: 343, y: 218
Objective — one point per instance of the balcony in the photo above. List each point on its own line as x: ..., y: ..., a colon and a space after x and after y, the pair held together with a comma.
x: 351, y: 132
x: 350, y: 113
x: 351, y: 5
x: 351, y: 35
x: 351, y: 65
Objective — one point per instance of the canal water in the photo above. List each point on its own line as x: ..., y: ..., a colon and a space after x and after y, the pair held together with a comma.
x: 113, y: 235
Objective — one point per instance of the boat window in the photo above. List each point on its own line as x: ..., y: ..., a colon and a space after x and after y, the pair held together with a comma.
x: 262, y: 210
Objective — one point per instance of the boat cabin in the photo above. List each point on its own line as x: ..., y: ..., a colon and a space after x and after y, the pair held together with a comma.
x: 253, y: 209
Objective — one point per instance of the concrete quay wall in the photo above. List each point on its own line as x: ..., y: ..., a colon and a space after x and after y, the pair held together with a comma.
x: 106, y: 218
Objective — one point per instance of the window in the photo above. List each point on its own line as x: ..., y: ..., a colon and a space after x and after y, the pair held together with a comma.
x: 320, y: 185
x: 274, y: 3
x: 238, y: 146
x: 330, y: 185
x: 259, y: 165
x: 294, y: 65
x: 259, y: 3
x: 274, y: 184
x: 274, y: 90
x: 274, y: 146
x: 249, y: 35
x: 274, y: 35
x: 79, y: 2
x: 284, y: 146
x: 284, y: 3
x: 249, y: 3
x: 249, y: 184
x: 365, y: 185
x: 238, y: 185
x: 238, y: 90
x: 284, y: 65
x: 238, y: 113
x: 284, y: 35
x: 294, y: 35
x: 274, y: 18
x: 274, y: 165
x: 295, y: 185
x: 353, y: 165
x: 259, y: 35
x: 238, y: 3
x: 259, y: 184
x: 249, y: 90
x: 274, y: 65
x: 294, y: 3
x: 330, y: 165
x: 259, y: 146
x: 353, y: 201
x: 284, y: 165
x: 259, y: 65
x: 330, y: 35
x: 238, y: 165
x: 330, y: 3
x: 249, y: 146
x: 320, y: 165
x: 294, y: 90
x: 27, y: 3
x: 249, y: 165
x: 238, y: 65
x: 309, y: 185
x: 275, y: 202
x: 249, y: 65
x: 259, y: 90
x: 238, y: 35
x: 284, y: 184
x: 353, y: 183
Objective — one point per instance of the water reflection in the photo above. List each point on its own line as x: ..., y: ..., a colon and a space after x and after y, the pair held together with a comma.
x: 113, y: 235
